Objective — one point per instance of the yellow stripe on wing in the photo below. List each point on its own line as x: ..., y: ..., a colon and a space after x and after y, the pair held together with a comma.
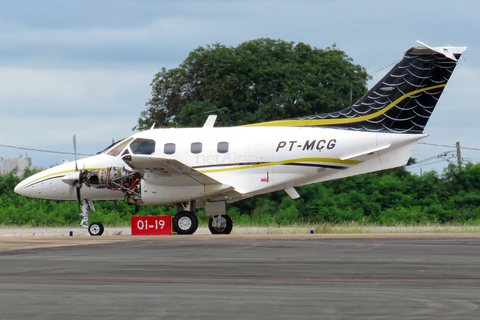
x: 273, y: 163
x: 324, y: 122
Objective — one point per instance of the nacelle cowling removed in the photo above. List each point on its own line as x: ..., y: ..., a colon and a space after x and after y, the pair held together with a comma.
x: 114, y: 178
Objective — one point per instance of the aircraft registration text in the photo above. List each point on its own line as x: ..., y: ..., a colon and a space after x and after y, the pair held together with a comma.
x: 307, y: 145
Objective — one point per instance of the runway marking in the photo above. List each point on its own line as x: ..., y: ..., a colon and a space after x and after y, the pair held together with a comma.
x: 216, y: 280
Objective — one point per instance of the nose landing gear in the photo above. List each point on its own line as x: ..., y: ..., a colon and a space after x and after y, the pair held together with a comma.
x: 95, y: 228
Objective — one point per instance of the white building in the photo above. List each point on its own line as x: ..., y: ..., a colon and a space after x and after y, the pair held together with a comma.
x: 9, y: 164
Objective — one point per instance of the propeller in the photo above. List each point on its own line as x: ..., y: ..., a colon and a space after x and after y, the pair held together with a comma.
x: 75, y: 150
x: 77, y: 184
x: 73, y: 179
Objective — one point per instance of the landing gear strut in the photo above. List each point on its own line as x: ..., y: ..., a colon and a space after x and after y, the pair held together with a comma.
x: 95, y: 228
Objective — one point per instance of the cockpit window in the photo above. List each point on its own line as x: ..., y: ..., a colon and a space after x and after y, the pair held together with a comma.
x: 143, y: 146
x: 116, y: 148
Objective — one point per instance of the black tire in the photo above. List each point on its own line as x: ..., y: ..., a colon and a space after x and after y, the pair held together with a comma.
x: 95, y: 229
x: 185, y: 222
x: 228, y: 227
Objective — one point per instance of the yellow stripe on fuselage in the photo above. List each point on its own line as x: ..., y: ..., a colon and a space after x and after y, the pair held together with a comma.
x: 58, y: 173
x: 325, y: 122
x: 249, y: 166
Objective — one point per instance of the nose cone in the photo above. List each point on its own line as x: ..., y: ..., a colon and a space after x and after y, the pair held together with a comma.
x: 46, y: 184
x: 60, y: 182
x: 18, y: 189
x: 22, y: 187
x: 29, y: 186
x: 72, y: 178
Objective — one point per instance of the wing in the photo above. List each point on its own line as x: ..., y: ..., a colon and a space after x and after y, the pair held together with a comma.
x: 171, y: 172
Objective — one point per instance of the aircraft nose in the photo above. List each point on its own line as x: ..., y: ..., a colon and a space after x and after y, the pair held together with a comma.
x: 48, y: 184
x: 18, y: 189
x: 22, y: 187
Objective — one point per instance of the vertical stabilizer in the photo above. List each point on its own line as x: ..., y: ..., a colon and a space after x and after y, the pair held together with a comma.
x: 401, y: 102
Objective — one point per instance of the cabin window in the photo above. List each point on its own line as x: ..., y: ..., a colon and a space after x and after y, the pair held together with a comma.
x: 169, y: 148
x: 196, y: 147
x: 142, y: 146
x: 222, y: 147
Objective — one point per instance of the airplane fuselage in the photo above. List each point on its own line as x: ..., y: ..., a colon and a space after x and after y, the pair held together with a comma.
x: 252, y: 160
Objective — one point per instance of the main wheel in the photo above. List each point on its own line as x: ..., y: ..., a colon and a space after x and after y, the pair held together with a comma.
x: 95, y: 229
x: 185, y: 222
x: 224, y: 226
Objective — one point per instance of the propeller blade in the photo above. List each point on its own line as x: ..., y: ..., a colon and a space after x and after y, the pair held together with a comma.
x: 75, y: 150
x: 78, y: 198
x: 74, y: 179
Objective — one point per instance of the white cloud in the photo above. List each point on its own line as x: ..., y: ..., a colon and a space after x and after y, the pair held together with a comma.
x: 54, y: 93
x: 45, y: 108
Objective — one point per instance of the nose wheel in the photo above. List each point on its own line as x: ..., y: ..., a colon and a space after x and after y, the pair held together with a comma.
x: 95, y: 229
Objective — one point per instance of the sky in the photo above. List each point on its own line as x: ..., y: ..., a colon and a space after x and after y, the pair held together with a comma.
x: 84, y: 68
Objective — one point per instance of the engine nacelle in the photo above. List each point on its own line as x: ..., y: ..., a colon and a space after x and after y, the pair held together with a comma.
x: 114, y: 178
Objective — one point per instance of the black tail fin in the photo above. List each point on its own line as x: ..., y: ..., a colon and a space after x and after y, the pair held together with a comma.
x: 401, y: 102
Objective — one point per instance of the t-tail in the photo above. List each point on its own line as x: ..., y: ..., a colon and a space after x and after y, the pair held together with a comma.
x: 401, y: 102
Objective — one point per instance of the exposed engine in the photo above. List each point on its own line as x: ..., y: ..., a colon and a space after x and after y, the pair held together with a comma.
x: 114, y: 178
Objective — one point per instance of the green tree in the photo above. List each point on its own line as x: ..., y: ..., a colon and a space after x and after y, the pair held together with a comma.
x: 8, y: 181
x: 260, y: 80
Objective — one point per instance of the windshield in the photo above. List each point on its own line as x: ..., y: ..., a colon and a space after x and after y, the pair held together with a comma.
x: 99, y: 152
x: 116, y: 148
x: 143, y: 146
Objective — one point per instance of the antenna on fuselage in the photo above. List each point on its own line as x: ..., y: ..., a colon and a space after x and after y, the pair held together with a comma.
x: 210, y: 121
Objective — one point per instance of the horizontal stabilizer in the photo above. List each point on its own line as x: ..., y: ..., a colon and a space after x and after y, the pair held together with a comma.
x: 447, y: 51
x: 353, y: 156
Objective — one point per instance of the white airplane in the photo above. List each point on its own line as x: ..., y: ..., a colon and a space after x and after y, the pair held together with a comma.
x: 211, y: 166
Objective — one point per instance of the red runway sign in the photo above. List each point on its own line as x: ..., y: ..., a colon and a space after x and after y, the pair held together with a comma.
x: 151, y: 225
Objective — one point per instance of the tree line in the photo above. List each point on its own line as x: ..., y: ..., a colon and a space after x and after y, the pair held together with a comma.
x: 386, y: 198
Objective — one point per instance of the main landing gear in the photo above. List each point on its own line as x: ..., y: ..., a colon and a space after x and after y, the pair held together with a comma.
x: 185, y: 221
x: 220, y: 224
x: 95, y: 228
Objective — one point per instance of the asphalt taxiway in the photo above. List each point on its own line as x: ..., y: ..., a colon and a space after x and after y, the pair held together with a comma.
x: 243, y: 277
